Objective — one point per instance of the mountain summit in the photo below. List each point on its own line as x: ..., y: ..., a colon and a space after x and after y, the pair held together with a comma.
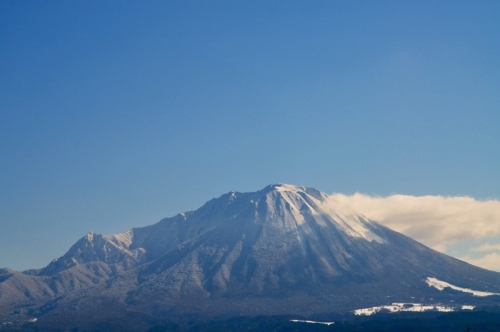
x: 289, y: 214
x: 281, y: 250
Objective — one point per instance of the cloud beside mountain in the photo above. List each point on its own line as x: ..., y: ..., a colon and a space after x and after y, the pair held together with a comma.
x: 490, y: 261
x: 436, y: 221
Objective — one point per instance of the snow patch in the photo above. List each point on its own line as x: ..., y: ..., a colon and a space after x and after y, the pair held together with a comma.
x: 283, y: 187
x: 311, y: 322
x: 439, y: 284
x: 404, y: 307
x: 90, y: 236
x: 123, y: 240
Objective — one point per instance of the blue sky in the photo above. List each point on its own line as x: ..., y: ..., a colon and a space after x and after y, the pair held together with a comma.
x: 116, y: 114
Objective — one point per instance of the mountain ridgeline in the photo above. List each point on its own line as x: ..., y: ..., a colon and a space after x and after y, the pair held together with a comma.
x: 281, y: 250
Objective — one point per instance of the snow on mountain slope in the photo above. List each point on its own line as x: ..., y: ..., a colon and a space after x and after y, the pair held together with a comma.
x: 96, y: 248
x: 297, y: 207
x: 281, y: 250
x: 324, y: 210
x: 439, y: 284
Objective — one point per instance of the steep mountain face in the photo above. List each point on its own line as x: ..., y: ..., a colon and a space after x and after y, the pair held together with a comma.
x: 278, y: 238
x: 284, y: 249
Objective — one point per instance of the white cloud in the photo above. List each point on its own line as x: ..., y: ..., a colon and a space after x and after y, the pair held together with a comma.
x: 486, y: 247
x: 436, y: 221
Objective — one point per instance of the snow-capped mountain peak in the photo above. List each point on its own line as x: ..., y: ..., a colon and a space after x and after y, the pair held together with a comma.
x: 278, y: 208
x: 281, y: 250
x: 307, y: 205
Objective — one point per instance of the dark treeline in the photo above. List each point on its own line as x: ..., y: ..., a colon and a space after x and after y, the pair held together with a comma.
x: 466, y: 321
x: 458, y: 321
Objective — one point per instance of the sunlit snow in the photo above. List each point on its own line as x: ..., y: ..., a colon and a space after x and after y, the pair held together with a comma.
x: 311, y: 322
x: 327, y: 210
x: 405, y: 307
x: 433, y: 282
x: 123, y: 239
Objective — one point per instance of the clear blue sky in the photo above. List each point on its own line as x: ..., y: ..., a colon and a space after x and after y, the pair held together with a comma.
x: 115, y: 114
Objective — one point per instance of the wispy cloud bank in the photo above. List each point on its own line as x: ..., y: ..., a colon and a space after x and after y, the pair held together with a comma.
x: 436, y: 221
x: 486, y: 247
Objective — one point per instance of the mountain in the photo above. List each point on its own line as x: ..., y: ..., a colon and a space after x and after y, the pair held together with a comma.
x: 281, y: 250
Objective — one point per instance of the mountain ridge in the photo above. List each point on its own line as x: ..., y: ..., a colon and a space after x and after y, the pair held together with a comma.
x: 281, y: 250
